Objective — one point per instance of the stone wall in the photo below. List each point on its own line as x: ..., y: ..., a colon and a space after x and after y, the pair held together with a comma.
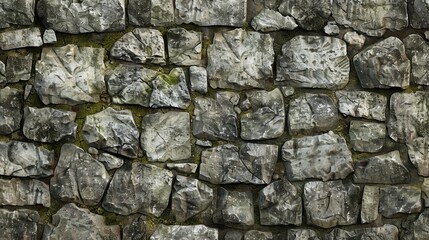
x: 212, y: 119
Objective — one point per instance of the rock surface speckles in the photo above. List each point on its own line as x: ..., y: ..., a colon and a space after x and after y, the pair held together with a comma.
x: 10, y: 110
x: 309, y: 14
x: 417, y: 49
x: 362, y: 104
x: 418, y: 11
x: 386, y: 231
x: 19, y: 68
x: 399, y: 199
x: 269, y: 20
x: 22, y: 38
x: 191, y: 232
x: 19, y: 224
x: 418, y: 152
x: 367, y: 136
x: 184, y: 47
x: 234, y: 208
x: 19, y: 12
x: 24, y: 192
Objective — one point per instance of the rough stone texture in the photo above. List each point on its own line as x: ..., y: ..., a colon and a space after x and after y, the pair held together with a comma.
x: 418, y: 11
x: 265, y: 117
x: 420, y: 227
x: 198, y: 78
x: 399, y: 199
x: 287, y: 91
x: 23, y: 192
x: 312, y: 113
x: 70, y: 16
x: 234, y: 208
x: 139, y: 12
x: 240, y: 59
x: 427, y: 35
x: 21, y: 38
x: 269, y: 20
x: 142, y: 45
x: 22, y: 159
x: 27, y: 91
x: 161, y: 12
x: 144, y: 188
x: 301, y: 234
x: 184, y: 47
x: 191, y: 232
x: 280, y: 203
x: 19, y: 224
x: 49, y: 37
x: 112, y: 131
x: 109, y: 161
x: 409, y: 117
x: 10, y: 110
x: 78, y: 177
x: 383, y: 65
x: 417, y: 49
x: 136, y: 229
x: 183, y: 167
x: 331, y: 29
x: 314, y: 62
x: 328, y: 204
x: 234, y: 235
x: 362, y: 104
x: 3, y: 79
x: 425, y: 191
x: 211, y: 12
x: 258, y: 235
x: 372, y: 18
x: 19, y: 12
x: 49, y: 125
x: 70, y: 75
x: 355, y: 39
x: 387, y: 231
x: 19, y: 68
x: 190, y: 197
x: 72, y: 222
x: 259, y: 159
x: 166, y: 136
x: 323, y: 157
x: 309, y: 14
x: 367, y: 136
x: 370, y: 204
x: 215, y: 119
x: 418, y: 152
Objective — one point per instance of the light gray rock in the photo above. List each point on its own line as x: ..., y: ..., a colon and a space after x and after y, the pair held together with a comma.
x: 70, y: 16
x: 19, y: 12
x: 78, y: 177
x: 211, y: 12
x: 10, y: 110
x: 70, y: 75
x: 409, y: 117
x: 19, y: 67
x: 49, y: 125
x: 332, y: 203
x: 234, y: 235
x: 387, y: 231
x: 162, y: 12
x: 427, y: 35
x: 418, y: 10
x: 309, y: 14
x: 305, y: 61
x: 269, y: 20
x: 312, y: 113
x: 331, y: 29
x: 93, y: 151
x: 240, y: 59
x: 418, y: 152
x: 425, y: 191
x: 417, y: 49
x: 399, y: 199
x: 419, y: 229
x: 190, y: 197
x: 183, y: 167
x: 259, y: 159
x: 72, y: 222
x: 136, y: 229
x: 23, y: 192
x: 383, y: 65
x: 323, y: 157
x: 370, y: 204
x: 191, y: 232
x: 2, y: 74
x: 265, y: 119
x: 21, y: 38
x: 258, y: 235
x: 369, y: 17
x: 287, y: 91
x: 27, y: 90
x: 198, y: 77
x: 49, y: 36
x: 139, y: 12
x: 301, y: 234
x: 22, y: 159
x: 367, y: 136
x: 280, y: 203
x: 362, y: 104
x: 234, y: 208
x: 20, y: 224
x: 166, y: 136
x: 144, y: 188
x: 216, y: 119
x: 184, y: 47
x: 355, y: 39
x: 142, y: 45
x: 109, y: 161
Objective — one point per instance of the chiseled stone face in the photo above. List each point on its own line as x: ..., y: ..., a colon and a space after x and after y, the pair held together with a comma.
x: 185, y: 232
x: 21, y: 38
x: 362, y: 104
x: 11, y: 101
x: 24, y: 192
x: 234, y: 208
x: 309, y: 14
x: 367, y: 136
x: 19, y: 12
x: 399, y: 199
x: 417, y: 49
x: 184, y: 47
x: 19, y: 224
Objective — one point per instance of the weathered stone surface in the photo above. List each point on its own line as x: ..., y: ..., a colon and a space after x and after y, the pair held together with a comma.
x: 418, y: 152
x: 49, y: 37
x: 170, y: 90
x: 240, y: 59
x: 372, y: 18
x: 144, y: 188
x: 234, y: 235
x: 190, y: 197
x: 427, y: 35
x: 184, y: 47
x: 383, y: 65
x: 399, y: 199
x: 234, y: 208
x: 109, y: 161
x: 191, y: 232
x: 136, y: 229
x: 265, y: 117
x: 420, y: 227
x: 425, y: 191
x: 49, y: 125
x: 162, y: 12
x: 309, y: 14
x: 19, y: 224
x: 312, y: 113
x: 70, y: 75
x: 269, y: 20
x: 323, y: 157
x: 387, y: 231
x: 166, y: 136
x: 419, y: 13
x: 78, y: 177
x: 215, y: 119
x: 211, y: 12
x: 72, y: 222
x: 10, y: 110
x: 362, y: 104
x: 2, y: 74
x: 417, y: 49
x: 314, y: 62
x: 258, y: 235
x: 301, y: 234
x: 409, y: 117
x: 75, y: 17
x: 370, y: 204
x: 22, y: 159
x: 21, y: 38
x: 183, y: 167
x: 142, y: 45
x: 328, y: 204
x: 198, y: 77
x: 367, y: 136
x: 287, y: 91
x: 19, y: 12
x: 27, y: 90
x: 331, y: 29
x: 22, y: 192
x: 112, y: 131
x: 139, y: 12
x: 355, y: 39
x: 280, y: 203
x: 19, y: 67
